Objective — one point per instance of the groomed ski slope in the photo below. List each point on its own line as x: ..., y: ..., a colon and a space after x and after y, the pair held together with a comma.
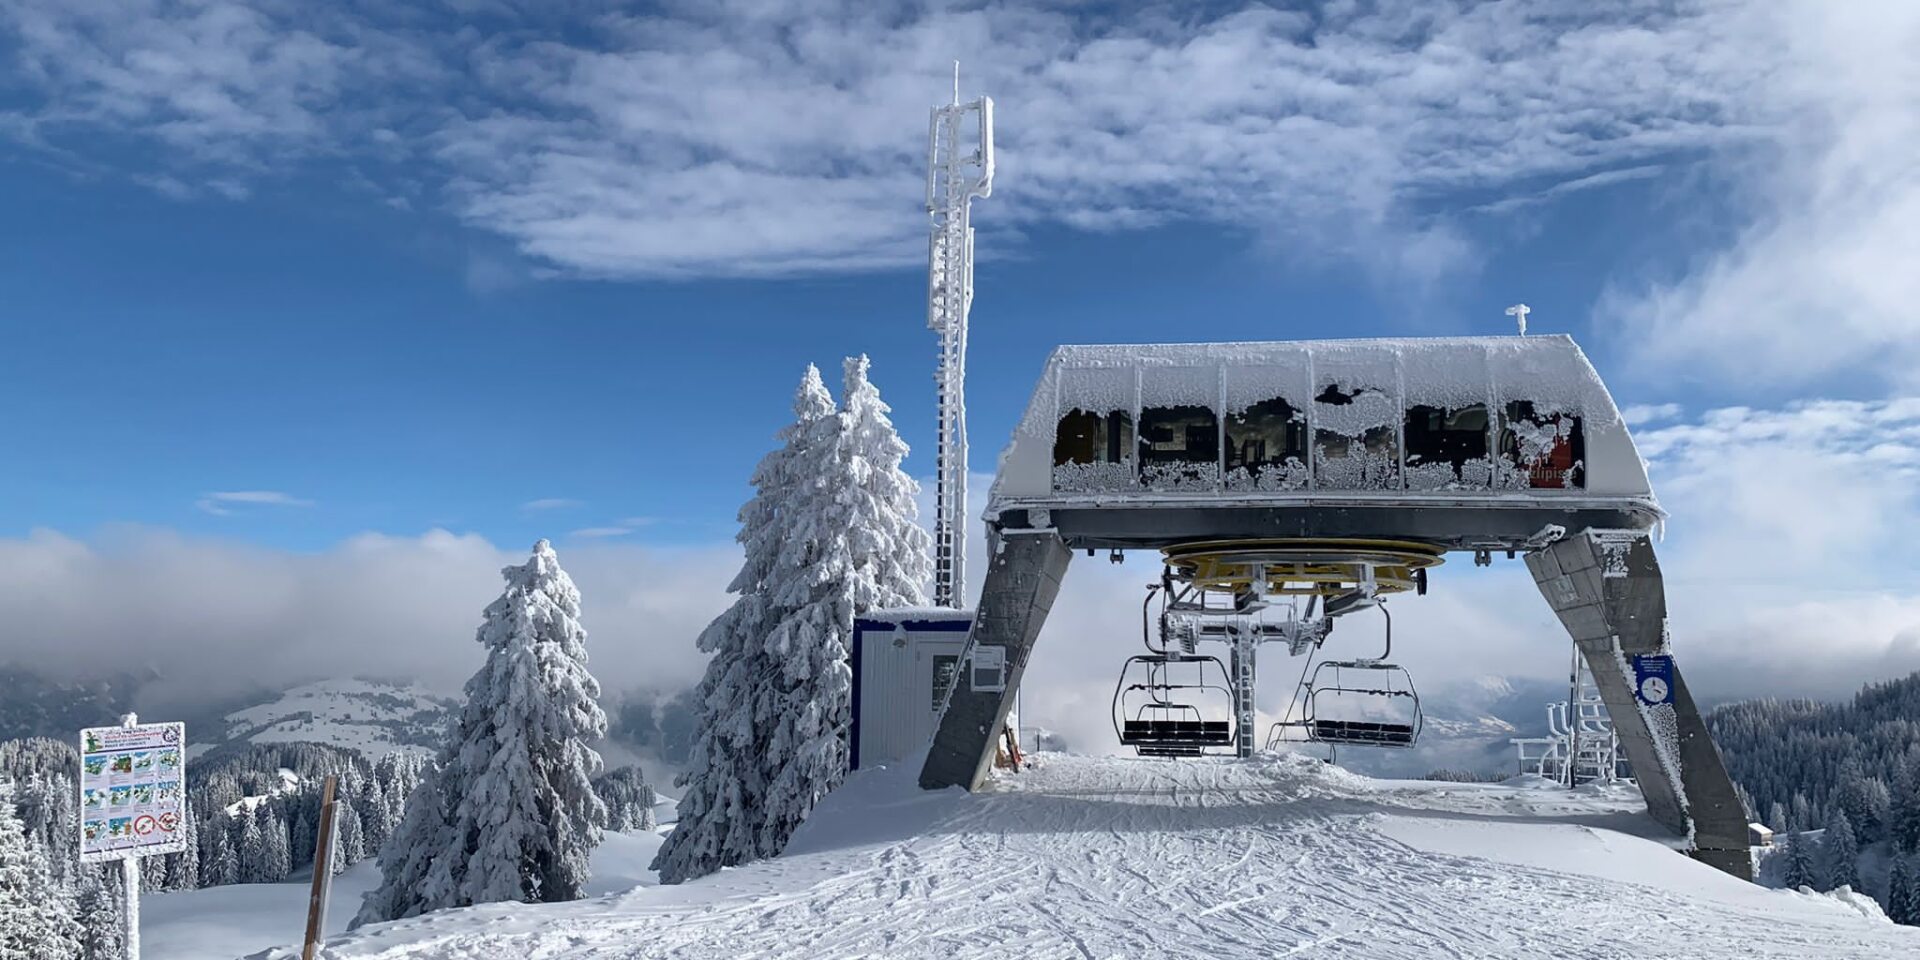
x: 1099, y: 857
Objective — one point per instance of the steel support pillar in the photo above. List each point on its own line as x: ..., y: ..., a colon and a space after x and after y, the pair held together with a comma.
x: 1023, y: 578
x: 1605, y: 586
x: 1243, y: 708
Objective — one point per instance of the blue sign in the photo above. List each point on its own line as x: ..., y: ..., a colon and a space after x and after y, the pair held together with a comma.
x: 1653, y: 679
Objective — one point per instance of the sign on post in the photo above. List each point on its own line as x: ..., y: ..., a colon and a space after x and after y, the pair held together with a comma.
x: 1653, y: 679
x: 133, y: 796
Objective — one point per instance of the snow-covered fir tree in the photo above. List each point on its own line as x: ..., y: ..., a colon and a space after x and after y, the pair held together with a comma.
x: 724, y: 784
x: 859, y: 547
x: 1839, y: 853
x: 512, y: 814
x: 829, y: 534
x: 349, y: 844
x: 99, y: 905
x: 36, y: 912
x: 629, y: 799
x: 1799, y: 870
x: 1903, y: 890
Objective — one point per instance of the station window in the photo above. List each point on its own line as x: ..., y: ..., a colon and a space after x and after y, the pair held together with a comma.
x: 1092, y: 451
x: 1179, y: 447
x: 1447, y: 446
x: 1084, y: 437
x: 1267, y: 447
x: 1542, y: 449
x: 1354, y: 443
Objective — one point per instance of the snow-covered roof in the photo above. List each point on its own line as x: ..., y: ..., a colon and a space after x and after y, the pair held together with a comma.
x: 1488, y: 420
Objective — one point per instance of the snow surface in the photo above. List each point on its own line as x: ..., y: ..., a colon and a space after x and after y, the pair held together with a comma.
x: 370, y: 716
x: 238, y: 919
x: 1109, y: 857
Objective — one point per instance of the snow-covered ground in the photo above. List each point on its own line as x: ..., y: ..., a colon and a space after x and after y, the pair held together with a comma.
x: 1104, y: 857
x: 231, y: 921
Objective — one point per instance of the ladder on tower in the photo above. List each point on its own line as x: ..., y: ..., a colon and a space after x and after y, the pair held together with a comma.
x: 1581, y: 745
x: 956, y: 174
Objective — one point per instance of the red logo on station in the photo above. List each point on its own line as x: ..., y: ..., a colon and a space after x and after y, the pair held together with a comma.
x: 144, y: 824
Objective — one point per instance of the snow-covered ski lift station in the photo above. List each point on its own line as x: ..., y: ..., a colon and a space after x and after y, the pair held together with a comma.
x: 1290, y: 488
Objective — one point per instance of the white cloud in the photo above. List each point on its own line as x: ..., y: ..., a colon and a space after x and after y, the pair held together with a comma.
x: 1642, y: 413
x: 222, y: 503
x: 598, y: 533
x: 1819, y: 279
x: 743, y: 139
x: 213, y: 618
x: 551, y: 503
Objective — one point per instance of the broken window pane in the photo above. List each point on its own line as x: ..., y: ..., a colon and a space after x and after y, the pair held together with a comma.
x: 1090, y: 451
x: 1354, y: 447
x: 1541, y: 448
x: 1267, y: 447
x: 1179, y: 447
x: 1447, y: 447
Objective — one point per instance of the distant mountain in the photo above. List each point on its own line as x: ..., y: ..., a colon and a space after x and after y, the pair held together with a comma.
x: 1469, y: 726
x: 33, y: 706
x: 370, y: 716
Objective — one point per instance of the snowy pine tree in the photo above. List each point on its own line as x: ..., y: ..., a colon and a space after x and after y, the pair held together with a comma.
x: 512, y: 815
x: 859, y: 547
x: 1904, y: 809
x: 724, y: 783
x: 829, y: 534
x: 1839, y: 853
x: 629, y: 799
x: 219, y: 862
x: 349, y: 844
x: 36, y: 912
x: 1903, y: 890
x: 99, y: 906
x: 1799, y: 870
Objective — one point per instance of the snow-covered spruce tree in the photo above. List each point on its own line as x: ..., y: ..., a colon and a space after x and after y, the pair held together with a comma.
x: 724, y: 784
x: 1839, y: 853
x: 1799, y: 870
x: 1903, y: 890
x: 629, y: 799
x: 858, y: 547
x: 99, y: 905
x: 829, y: 534
x: 36, y: 912
x: 512, y: 814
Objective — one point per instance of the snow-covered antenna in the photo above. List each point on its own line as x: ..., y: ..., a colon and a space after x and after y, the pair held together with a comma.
x: 1519, y: 312
x: 955, y: 175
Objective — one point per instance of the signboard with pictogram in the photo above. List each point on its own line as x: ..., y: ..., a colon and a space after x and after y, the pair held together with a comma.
x: 133, y: 797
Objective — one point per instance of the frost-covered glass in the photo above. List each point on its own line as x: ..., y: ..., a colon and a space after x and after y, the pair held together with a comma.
x: 1542, y: 447
x: 1179, y: 448
x: 1093, y: 440
x: 1447, y: 447
x: 1267, y: 447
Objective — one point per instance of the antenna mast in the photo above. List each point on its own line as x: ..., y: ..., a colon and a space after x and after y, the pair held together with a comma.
x: 955, y: 175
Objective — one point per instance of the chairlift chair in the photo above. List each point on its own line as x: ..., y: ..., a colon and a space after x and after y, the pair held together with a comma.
x: 1338, y: 690
x: 1158, y: 717
x: 1373, y: 682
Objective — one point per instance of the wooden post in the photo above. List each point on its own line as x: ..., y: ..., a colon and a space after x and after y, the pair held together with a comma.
x: 322, y: 874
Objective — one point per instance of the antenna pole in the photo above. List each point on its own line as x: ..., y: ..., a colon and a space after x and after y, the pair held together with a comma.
x: 1519, y: 312
x: 955, y: 176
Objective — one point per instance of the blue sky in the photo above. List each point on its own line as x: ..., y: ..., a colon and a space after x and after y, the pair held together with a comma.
x: 306, y: 342
x: 327, y: 296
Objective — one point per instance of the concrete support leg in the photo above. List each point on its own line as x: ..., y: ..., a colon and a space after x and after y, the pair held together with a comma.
x: 1023, y: 577
x: 1606, y: 588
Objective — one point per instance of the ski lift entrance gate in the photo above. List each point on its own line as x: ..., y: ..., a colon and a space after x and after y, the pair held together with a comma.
x: 1480, y: 445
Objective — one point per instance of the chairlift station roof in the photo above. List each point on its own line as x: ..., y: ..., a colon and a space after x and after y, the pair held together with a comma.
x: 1466, y: 443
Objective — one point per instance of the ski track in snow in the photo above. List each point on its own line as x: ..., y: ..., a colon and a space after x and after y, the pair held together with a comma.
x: 1091, y: 858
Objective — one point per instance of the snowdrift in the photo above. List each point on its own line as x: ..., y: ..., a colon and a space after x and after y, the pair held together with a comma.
x: 1104, y: 857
